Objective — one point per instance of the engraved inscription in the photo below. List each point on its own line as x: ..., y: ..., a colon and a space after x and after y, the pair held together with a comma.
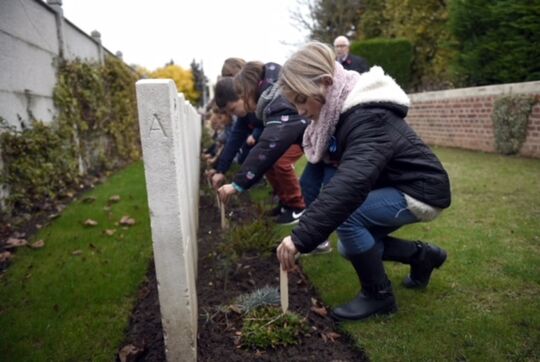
x: 156, y: 125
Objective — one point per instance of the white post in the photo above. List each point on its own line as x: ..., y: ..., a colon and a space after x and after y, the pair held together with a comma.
x: 163, y: 125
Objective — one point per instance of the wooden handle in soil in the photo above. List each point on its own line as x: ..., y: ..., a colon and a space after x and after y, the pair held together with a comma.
x: 224, y: 221
x: 284, y: 289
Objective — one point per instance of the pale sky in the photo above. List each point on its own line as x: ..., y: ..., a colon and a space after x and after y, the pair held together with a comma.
x: 151, y: 33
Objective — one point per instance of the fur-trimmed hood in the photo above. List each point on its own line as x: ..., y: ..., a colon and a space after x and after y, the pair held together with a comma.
x: 375, y: 87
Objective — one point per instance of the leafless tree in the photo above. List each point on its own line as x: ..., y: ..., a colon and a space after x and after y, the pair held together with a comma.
x: 326, y: 19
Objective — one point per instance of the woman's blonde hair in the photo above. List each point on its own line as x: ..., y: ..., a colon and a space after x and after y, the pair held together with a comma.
x: 303, y: 72
x: 232, y: 66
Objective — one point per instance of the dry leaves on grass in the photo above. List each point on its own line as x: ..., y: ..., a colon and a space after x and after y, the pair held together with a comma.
x: 109, y: 232
x: 114, y: 199
x: 38, y: 244
x: 127, y: 221
x: 12, y: 243
x: 90, y: 222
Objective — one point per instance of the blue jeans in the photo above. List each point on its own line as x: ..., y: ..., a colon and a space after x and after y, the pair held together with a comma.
x: 315, y: 176
x: 384, y: 211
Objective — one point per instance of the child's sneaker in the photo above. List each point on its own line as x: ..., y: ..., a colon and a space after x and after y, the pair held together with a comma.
x: 289, y: 216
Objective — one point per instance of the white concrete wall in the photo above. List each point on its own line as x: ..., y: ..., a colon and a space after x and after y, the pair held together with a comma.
x: 28, y: 45
x: 29, y: 50
x: 79, y: 45
x: 170, y: 137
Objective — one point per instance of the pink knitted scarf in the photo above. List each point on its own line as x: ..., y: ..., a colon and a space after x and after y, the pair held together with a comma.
x: 318, y: 133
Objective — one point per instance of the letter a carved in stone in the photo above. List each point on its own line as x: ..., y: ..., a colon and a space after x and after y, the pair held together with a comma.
x: 156, y: 125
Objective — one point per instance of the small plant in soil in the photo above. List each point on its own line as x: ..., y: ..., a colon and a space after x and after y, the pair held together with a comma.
x: 265, y: 296
x: 258, y: 237
x: 268, y: 327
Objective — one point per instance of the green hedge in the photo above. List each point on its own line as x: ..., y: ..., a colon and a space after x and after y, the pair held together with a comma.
x: 393, y: 55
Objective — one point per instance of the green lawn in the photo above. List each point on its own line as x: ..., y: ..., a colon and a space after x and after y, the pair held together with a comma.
x: 57, y: 306
x: 484, y: 304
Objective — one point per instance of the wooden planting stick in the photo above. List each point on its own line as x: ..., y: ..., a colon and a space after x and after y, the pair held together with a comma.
x: 284, y: 289
x: 224, y: 221
x: 217, y: 195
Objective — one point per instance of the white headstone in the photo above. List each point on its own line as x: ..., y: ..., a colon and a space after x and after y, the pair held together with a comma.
x: 170, y: 161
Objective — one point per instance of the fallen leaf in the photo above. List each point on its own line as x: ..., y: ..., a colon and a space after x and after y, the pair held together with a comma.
x: 70, y: 194
x: 330, y: 336
x: 90, y: 222
x: 235, y: 308
x: 126, y: 220
x: 38, y: 244
x: 54, y: 216
x: 109, y: 232
x: 114, y: 198
x: 144, y: 292
x: 129, y: 353
x: 76, y: 252
x: 319, y: 311
x: 15, y: 243
x: 5, y: 256
x: 18, y: 235
x: 89, y: 199
x: 334, y: 335
x: 39, y: 226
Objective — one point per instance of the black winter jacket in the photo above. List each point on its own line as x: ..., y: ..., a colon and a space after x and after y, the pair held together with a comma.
x: 375, y: 148
x: 283, y: 127
x: 356, y: 63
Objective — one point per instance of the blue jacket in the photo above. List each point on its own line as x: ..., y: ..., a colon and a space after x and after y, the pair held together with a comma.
x: 240, y: 131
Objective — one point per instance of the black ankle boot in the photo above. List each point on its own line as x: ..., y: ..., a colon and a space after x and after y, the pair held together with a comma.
x: 376, y: 297
x: 426, y: 259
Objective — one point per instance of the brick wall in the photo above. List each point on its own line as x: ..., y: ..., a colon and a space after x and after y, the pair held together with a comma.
x: 462, y: 117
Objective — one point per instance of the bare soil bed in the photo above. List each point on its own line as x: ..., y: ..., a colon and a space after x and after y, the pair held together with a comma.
x: 218, y: 332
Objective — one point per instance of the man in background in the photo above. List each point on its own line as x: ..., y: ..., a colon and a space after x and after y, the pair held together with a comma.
x: 349, y: 61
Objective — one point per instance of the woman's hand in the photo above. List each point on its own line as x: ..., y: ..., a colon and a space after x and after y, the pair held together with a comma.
x: 286, y: 253
x: 210, y: 172
x: 225, y: 192
x: 251, y: 140
x: 217, y: 179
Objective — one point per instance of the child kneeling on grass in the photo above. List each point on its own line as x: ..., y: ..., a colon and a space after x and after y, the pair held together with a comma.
x: 386, y: 176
